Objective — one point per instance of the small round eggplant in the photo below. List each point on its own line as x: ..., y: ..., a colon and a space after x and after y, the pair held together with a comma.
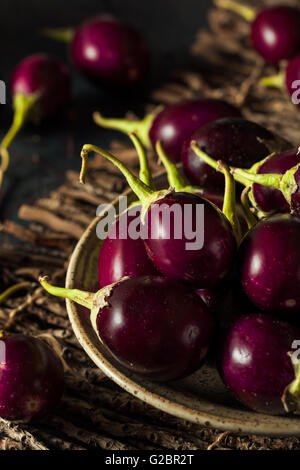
x: 109, y: 52
x: 186, y: 236
x: 155, y: 327
x: 269, y: 260
x: 172, y: 125
x: 274, y: 181
x: 40, y: 87
x: 32, y: 378
x: 286, y: 80
x: 274, y: 31
x: 120, y: 255
x: 255, y: 363
x: 235, y: 141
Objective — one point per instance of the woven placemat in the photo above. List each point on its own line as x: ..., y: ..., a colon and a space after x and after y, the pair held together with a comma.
x: 94, y: 412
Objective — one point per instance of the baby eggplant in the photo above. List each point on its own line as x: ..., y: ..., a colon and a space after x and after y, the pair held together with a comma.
x: 257, y: 366
x: 155, y: 327
x: 173, y: 124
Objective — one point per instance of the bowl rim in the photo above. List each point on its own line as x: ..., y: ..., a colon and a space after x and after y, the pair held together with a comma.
x: 208, y: 419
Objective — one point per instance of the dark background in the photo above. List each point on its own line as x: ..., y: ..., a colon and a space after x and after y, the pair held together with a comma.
x: 41, y: 155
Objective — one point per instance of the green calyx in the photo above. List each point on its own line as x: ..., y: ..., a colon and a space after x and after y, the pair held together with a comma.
x: 244, y: 11
x: 288, y: 185
x: 283, y: 182
x: 139, y: 127
x: 59, y: 34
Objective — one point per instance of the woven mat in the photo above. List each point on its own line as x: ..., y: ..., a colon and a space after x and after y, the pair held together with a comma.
x: 94, y: 412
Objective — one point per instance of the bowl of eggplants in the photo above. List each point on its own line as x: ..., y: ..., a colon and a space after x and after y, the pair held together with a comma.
x: 211, y: 334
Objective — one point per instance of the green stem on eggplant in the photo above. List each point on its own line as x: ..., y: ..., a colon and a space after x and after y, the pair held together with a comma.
x: 92, y: 301
x: 80, y: 297
x: 13, y: 289
x: 248, y: 215
x: 139, y: 127
x: 144, y: 173
x: 145, y: 194
x: 275, y: 81
x: 175, y: 179
x: 245, y: 177
x: 244, y: 11
x: 59, y: 34
x: 283, y: 182
x: 229, y: 203
x: 23, y: 106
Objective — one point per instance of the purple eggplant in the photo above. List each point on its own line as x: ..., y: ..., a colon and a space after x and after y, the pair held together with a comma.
x: 121, y: 255
x: 269, y: 260
x: 40, y: 87
x: 274, y: 181
x: 204, y: 266
x: 227, y: 302
x: 172, y: 125
x: 275, y: 31
x: 186, y: 237
x: 235, y: 141
x: 106, y: 51
x: 269, y: 199
x: 287, y: 79
x: 32, y: 378
x: 155, y: 327
x: 256, y: 365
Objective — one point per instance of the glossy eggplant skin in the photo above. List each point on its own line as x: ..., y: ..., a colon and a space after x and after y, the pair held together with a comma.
x: 275, y: 33
x: 235, y: 141
x: 156, y: 327
x: 169, y: 247
x: 269, y: 199
x: 40, y: 73
x: 120, y: 255
x: 254, y: 361
x: 175, y: 123
x: 269, y: 260
x: 32, y: 378
x: 110, y: 53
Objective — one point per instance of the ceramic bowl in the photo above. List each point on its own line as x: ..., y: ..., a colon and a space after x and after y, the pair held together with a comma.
x: 200, y: 398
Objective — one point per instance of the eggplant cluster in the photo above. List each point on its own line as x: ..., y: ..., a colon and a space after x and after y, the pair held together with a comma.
x: 161, y: 307
x: 166, y: 300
